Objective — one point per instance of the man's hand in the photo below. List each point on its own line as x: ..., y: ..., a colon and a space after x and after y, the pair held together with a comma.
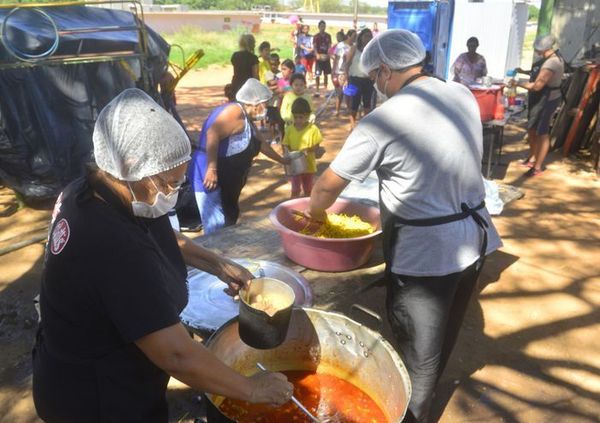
x: 234, y: 275
x: 316, y: 216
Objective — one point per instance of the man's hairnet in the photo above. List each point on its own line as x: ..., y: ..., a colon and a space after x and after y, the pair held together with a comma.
x: 134, y: 137
x: 253, y: 93
x: 397, y: 48
x: 544, y: 42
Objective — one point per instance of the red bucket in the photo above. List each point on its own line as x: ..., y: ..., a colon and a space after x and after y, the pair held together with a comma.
x: 490, y: 101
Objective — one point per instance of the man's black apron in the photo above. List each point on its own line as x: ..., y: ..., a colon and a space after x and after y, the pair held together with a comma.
x: 537, y: 100
x: 394, y: 222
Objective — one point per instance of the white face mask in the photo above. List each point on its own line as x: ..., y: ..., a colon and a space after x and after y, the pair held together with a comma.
x: 381, y: 95
x: 260, y: 116
x: 161, y: 206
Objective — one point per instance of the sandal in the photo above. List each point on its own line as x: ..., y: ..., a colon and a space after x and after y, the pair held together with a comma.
x: 534, y: 172
x: 527, y: 163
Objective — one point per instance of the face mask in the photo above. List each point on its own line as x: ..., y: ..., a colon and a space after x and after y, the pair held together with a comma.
x: 161, y: 206
x: 260, y: 116
x: 381, y: 96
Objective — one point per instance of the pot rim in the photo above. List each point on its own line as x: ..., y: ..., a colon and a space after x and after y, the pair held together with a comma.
x: 394, y: 355
x: 283, y: 285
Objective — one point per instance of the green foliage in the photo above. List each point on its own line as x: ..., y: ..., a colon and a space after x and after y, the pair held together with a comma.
x: 26, y: 1
x: 534, y: 13
x: 219, y: 46
x: 339, y: 6
x: 222, y: 4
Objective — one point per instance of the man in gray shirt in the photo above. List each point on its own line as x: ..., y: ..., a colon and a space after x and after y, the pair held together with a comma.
x: 425, y: 143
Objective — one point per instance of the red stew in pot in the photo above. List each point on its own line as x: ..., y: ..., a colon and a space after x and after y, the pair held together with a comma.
x: 329, y: 398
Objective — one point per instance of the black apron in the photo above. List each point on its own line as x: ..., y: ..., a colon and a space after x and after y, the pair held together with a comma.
x: 537, y: 100
x: 232, y: 173
x: 394, y: 222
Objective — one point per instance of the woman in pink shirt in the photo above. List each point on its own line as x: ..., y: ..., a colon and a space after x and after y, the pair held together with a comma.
x: 470, y: 66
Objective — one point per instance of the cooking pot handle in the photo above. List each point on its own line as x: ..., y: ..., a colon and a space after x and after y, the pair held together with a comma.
x: 369, y: 313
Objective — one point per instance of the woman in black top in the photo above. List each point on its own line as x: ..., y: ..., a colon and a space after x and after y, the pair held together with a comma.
x: 245, y: 63
x: 114, y: 283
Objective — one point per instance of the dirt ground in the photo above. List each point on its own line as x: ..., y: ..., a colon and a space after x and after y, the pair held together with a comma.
x: 529, y: 350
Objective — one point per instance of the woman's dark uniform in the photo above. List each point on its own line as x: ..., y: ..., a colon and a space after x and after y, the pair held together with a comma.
x: 110, y: 278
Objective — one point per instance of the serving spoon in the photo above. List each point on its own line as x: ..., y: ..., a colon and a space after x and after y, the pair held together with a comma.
x: 295, y: 400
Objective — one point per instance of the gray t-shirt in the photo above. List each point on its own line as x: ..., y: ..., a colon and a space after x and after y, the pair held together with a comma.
x: 556, y: 65
x: 425, y: 144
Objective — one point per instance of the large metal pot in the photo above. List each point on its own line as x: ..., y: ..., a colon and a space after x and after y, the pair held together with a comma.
x: 329, y: 343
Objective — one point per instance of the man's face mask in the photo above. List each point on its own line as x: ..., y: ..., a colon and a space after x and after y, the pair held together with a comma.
x: 381, y: 95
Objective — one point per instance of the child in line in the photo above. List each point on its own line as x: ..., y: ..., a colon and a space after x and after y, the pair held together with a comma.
x: 264, y: 51
x: 283, y: 84
x: 306, y: 137
x: 298, y: 83
x: 339, y: 76
x: 299, y: 67
x: 272, y: 75
x: 273, y: 118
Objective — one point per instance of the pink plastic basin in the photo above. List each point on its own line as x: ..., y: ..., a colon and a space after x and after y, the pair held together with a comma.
x: 326, y: 254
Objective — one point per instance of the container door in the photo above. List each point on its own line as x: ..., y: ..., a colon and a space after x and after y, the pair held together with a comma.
x: 442, y: 40
x: 416, y: 16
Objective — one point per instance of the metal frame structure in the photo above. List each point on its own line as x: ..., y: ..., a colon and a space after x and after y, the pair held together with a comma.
x: 48, y: 58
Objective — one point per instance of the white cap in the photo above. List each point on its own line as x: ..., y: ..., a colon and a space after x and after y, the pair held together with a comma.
x: 253, y: 93
x: 397, y: 48
x: 134, y: 137
x: 544, y: 42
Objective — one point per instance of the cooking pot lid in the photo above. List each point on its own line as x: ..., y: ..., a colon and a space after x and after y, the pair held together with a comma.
x: 209, y: 307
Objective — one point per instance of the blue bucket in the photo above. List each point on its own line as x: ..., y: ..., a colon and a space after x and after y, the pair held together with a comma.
x: 350, y: 90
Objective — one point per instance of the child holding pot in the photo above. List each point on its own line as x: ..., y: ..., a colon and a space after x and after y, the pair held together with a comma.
x: 300, y: 143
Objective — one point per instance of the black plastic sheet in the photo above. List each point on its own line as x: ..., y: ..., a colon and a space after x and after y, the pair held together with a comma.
x: 47, y: 112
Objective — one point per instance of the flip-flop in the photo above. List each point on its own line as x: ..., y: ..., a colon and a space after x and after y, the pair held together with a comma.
x: 534, y: 172
x: 527, y: 163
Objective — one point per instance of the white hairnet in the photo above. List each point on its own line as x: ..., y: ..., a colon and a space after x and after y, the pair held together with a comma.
x: 134, y: 137
x: 397, y: 48
x: 544, y: 42
x: 253, y: 93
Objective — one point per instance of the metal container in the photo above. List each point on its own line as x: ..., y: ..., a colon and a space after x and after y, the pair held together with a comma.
x: 324, y: 342
x: 298, y: 164
x: 257, y: 328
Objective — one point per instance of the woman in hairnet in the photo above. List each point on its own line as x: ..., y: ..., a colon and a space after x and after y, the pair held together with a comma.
x: 229, y: 141
x: 545, y: 78
x: 114, y: 283
x: 436, y: 230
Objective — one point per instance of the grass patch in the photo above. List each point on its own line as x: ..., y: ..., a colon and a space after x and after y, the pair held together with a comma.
x: 219, y: 46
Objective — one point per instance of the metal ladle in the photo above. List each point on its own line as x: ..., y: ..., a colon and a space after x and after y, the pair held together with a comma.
x: 295, y: 400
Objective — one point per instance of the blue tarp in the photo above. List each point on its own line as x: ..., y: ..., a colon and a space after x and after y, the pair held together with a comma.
x: 47, y: 112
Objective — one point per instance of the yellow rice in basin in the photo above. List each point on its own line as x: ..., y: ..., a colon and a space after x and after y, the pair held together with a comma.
x: 339, y: 226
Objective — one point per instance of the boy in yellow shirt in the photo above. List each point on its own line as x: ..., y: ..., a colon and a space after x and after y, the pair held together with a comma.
x: 306, y: 137
x: 264, y: 62
x: 298, y: 84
